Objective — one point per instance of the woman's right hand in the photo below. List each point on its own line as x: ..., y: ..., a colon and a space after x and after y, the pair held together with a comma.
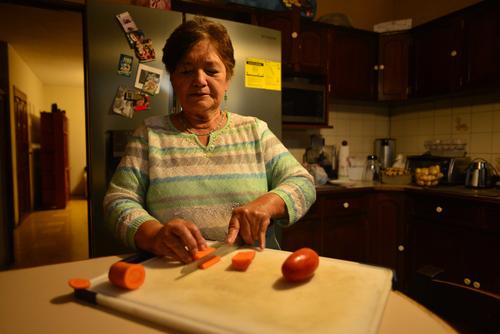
x: 177, y: 238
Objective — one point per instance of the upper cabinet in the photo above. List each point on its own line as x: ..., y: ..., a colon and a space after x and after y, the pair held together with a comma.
x: 482, y: 42
x: 303, y: 42
x: 459, y: 52
x: 353, y: 57
x: 439, y: 54
x: 392, y: 67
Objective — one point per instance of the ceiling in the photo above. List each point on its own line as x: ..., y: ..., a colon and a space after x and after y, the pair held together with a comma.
x: 49, y: 41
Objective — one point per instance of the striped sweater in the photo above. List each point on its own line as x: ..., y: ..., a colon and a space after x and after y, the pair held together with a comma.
x: 166, y: 174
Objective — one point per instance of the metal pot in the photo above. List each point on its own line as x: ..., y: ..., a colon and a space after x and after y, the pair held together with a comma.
x: 480, y: 174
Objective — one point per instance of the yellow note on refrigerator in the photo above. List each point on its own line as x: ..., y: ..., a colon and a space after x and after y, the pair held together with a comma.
x: 263, y: 74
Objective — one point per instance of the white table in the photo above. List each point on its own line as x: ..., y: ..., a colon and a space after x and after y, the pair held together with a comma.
x: 38, y: 300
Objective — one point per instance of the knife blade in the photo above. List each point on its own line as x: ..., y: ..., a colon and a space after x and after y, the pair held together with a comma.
x: 221, y: 249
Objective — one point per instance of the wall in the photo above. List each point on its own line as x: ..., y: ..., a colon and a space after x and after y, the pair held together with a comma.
x: 72, y: 100
x: 21, y: 76
x: 358, y: 123
x: 363, y: 14
x: 422, y: 11
x: 474, y: 120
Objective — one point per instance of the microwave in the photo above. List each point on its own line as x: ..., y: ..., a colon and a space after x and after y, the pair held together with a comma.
x: 303, y: 102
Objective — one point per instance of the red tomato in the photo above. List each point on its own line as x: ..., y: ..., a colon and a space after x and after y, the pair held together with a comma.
x: 300, y: 265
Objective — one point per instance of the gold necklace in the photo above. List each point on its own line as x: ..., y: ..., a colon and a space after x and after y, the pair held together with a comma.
x: 187, y: 126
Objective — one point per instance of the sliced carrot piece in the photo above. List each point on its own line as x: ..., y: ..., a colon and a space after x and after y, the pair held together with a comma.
x: 207, y: 264
x: 242, y: 260
x: 126, y: 275
x: 79, y: 283
x: 201, y: 253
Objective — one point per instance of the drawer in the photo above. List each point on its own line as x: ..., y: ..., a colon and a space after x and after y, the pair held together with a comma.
x: 447, y: 210
x: 345, y: 206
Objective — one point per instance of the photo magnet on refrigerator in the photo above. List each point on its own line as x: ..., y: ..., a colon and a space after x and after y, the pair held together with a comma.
x: 144, y: 50
x: 148, y: 79
x: 122, y: 105
x: 126, y: 22
x: 134, y: 37
x: 125, y: 65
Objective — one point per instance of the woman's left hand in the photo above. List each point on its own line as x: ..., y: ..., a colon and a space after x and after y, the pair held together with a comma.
x: 251, y: 220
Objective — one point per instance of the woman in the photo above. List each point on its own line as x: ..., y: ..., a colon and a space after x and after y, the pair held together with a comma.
x: 203, y: 173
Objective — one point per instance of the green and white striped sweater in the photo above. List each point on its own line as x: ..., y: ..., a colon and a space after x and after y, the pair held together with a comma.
x: 166, y: 173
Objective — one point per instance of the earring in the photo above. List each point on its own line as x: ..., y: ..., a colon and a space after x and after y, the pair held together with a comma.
x: 225, y: 101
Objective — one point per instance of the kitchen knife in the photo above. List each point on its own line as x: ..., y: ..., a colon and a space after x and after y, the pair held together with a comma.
x: 221, y: 249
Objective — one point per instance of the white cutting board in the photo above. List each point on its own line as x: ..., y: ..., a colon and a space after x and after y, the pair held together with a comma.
x: 342, y: 297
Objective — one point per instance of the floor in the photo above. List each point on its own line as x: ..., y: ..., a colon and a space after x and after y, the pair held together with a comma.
x: 52, y: 236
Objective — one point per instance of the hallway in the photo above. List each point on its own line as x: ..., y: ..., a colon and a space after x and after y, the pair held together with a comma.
x: 52, y: 236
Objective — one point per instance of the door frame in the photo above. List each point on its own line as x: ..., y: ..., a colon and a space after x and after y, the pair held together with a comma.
x: 23, y: 169
x: 6, y: 186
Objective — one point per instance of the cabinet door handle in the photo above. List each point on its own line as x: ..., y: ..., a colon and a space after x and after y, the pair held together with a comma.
x: 345, y: 205
x: 439, y: 209
x: 467, y: 281
x: 381, y: 67
x: 453, y: 53
x: 294, y: 34
x: 476, y: 284
x: 375, y: 67
x: 401, y: 248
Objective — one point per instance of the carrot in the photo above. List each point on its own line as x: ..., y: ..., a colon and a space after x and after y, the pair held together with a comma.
x: 201, y: 253
x: 207, y: 264
x: 79, y: 283
x: 126, y: 275
x: 242, y: 260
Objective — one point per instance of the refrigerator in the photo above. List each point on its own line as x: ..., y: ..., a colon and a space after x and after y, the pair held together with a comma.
x: 107, y: 131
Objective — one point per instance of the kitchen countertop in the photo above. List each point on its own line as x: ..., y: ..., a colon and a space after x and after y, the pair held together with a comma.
x: 490, y: 194
x: 39, y: 300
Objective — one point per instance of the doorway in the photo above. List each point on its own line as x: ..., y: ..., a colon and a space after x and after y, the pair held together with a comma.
x: 45, y: 66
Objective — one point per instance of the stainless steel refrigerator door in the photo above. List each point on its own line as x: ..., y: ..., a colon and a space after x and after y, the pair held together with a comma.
x: 105, y: 41
x: 255, y: 42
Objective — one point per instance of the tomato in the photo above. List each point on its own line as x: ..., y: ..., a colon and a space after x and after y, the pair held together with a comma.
x: 300, y: 265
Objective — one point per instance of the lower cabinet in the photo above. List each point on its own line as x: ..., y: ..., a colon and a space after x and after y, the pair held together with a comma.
x: 345, y: 226
x: 388, y: 233
x: 454, y: 267
x: 444, y: 249
x: 457, y: 237
x: 304, y: 233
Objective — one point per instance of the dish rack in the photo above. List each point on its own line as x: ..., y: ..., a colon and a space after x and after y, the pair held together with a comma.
x: 446, y: 148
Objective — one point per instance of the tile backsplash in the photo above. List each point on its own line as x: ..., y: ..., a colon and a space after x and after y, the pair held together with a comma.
x: 358, y: 123
x: 474, y: 119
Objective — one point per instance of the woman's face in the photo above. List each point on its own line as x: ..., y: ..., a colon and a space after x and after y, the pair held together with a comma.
x: 200, y: 79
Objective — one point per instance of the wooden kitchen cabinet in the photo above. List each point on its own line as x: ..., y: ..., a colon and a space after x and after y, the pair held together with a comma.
x: 353, y: 60
x: 335, y: 226
x: 288, y: 23
x: 393, y: 66
x: 312, y: 48
x: 438, y: 56
x: 345, y: 226
x: 305, y: 233
x: 482, y: 40
x: 388, y: 235
x: 303, y: 42
x: 455, y: 235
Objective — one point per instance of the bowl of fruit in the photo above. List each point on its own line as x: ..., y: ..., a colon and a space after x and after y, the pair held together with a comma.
x: 395, y: 175
x: 428, y: 176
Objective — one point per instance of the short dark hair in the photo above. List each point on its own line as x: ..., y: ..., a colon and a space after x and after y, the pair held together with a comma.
x: 186, y: 35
